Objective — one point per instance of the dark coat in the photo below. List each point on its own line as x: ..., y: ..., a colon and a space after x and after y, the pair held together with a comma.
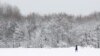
x: 76, y: 48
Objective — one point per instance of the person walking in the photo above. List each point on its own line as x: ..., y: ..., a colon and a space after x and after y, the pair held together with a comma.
x: 76, y: 48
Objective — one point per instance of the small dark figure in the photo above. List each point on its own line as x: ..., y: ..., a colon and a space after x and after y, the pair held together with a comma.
x: 76, y: 48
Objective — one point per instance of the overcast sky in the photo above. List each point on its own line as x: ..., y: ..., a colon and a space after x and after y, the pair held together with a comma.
x: 51, y: 6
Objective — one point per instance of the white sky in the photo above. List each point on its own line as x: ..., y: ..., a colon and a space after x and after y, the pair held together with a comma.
x: 76, y: 7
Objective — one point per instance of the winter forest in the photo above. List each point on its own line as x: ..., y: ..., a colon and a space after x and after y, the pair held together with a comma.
x: 56, y: 30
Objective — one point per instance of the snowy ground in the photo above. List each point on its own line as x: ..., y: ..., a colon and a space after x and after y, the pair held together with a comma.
x: 49, y: 52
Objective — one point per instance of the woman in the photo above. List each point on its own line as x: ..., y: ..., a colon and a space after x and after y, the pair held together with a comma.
x: 76, y: 48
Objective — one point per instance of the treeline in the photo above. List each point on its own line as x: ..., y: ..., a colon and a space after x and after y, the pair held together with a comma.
x: 53, y: 30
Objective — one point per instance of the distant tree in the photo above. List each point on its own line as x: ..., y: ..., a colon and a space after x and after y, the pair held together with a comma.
x: 98, y: 35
